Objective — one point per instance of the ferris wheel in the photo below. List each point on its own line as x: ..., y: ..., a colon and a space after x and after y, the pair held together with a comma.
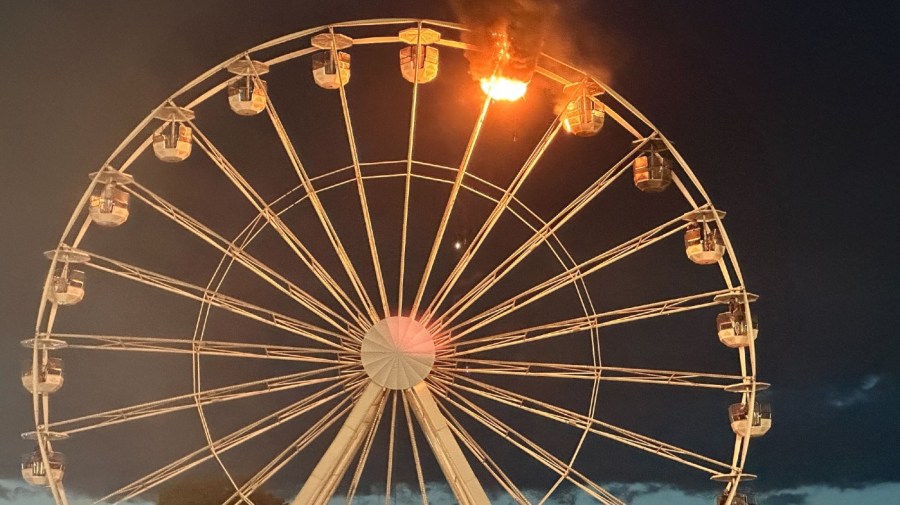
x: 399, y: 280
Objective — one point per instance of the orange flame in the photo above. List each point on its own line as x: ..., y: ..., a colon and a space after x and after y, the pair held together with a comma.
x: 502, y: 88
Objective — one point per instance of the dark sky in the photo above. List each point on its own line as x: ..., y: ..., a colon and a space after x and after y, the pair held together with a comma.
x: 787, y: 111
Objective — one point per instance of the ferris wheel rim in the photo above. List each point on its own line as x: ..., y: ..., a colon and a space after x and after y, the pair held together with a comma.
x: 56, y: 487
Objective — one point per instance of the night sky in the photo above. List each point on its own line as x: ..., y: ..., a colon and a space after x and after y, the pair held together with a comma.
x: 786, y: 112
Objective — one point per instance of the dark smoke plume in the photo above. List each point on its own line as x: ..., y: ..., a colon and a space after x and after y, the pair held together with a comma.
x: 518, y: 26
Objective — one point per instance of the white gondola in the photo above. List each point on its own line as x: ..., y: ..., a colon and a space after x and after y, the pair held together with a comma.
x: 36, y: 473
x: 67, y: 284
x: 583, y: 116
x: 419, y: 60
x: 331, y: 66
x: 703, y: 243
x: 732, y: 325
x: 247, y: 95
x: 172, y: 143
x: 652, y: 170
x: 50, y: 376
x: 755, y: 425
x: 108, y: 205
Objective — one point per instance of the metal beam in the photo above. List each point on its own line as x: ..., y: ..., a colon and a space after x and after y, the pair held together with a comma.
x: 459, y: 474
x: 327, y: 474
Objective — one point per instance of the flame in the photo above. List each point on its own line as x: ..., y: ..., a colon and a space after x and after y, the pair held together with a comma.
x: 503, y: 88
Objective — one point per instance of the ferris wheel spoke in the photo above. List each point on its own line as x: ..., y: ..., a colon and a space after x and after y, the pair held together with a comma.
x: 569, y: 276
x: 492, y: 219
x: 316, y: 203
x: 415, y: 449
x: 290, y: 452
x: 360, y: 187
x: 187, y: 401
x: 451, y: 200
x: 580, y: 421
x: 226, y: 443
x: 274, y: 220
x: 482, y: 456
x: 390, y: 458
x: 414, y: 107
x: 199, y: 347
x: 595, y: 372
x: 216, y: 299
x: 237, y: 253
x: 548, y: 230
x: 531, y: 448
x: 591, y: 322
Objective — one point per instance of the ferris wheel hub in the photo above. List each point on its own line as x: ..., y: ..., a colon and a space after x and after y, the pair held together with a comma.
x: 398, y: 352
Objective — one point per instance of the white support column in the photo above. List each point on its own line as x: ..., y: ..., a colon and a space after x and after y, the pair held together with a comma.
x: 459, y: 474
x: 327, y: 474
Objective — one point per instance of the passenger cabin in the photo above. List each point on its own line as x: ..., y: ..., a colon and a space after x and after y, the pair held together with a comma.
x: 247, y: 95
x: 419, y: 60
x: 331, y: 66
x: 50, y: 376
x: 703, y: 242
x: 583, y: 116
x: 108, y: 205
x: 754, y: 425
x: 652, y: 170
x: 733, y: 328
x: 66, y: 286
x: 172, y: 142
x: 37, y: 474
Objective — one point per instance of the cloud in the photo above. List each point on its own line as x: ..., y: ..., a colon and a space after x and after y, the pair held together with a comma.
x: 786, y: 498
x: 874, y: 494
x: 862, y: 393
x: 655, y: 494
x: 17, y: 492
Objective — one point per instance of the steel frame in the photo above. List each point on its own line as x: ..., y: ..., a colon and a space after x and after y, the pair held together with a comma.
x: 340, y: 381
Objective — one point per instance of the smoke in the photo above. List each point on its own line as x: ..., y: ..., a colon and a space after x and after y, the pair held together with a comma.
x: 566, y: 31
x: 510, y: 29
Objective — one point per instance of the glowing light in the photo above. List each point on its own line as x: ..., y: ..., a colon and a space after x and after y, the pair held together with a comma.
x: 502, y: 88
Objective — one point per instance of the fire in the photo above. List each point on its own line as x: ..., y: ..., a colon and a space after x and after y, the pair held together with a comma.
x: 502, y: 88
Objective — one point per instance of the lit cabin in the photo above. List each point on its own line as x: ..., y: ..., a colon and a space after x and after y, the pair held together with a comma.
x: 50, y: 376
x: 419, y: 60
x: 66, y: 286
x: 653, y: 168
x: 739, y: 499
x: 755, y: 425
x: 582, y: 116
x: 108, y: 205
x: 36, y: 473
x: 331, y: 66
x: 325, y: 71
x: 247, y: 95
x: 703, y: 242
x: 733, y: 328
x: 172, y: 142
